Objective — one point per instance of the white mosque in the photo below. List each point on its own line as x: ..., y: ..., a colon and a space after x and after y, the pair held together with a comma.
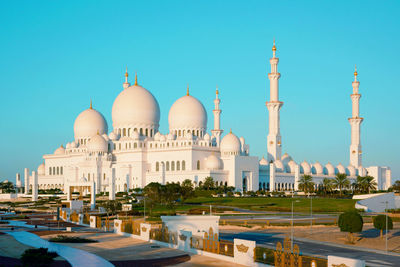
x: 135, y: 153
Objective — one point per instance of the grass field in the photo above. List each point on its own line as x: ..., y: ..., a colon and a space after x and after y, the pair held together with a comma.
x: 279, y: 204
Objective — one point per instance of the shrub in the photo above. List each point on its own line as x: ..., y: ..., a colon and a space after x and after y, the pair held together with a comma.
x: 351, y: 222
x: 38, y: 257
x: 380, y: 223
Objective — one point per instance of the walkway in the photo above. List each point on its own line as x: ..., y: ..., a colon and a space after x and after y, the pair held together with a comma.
x: 75, y: 257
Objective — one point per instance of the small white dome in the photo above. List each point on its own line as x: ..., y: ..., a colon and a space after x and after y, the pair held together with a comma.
x: 330, y: 169
x: 97, y: 144
x: 264, y: 162
x: 88, y: 123
x: 60, y: 151
x: 318, y: 168
x: 162, y: 138
x: 213, y: 163
x: 242, y: 141
x: 113, y: 136
x: 187, y: 113
x: 171, y: 136
x: 68, y: 146
x: 305, y: 167
x: 207, y: 137
x: 286, y: 158
x: 74, y: 145
x: 230, y: 144
x: 291, y: 166
x: 279, y: 167
x: 362, y: 171
x: 135, y: 135
x: 341, y: 168
x: 105, y: 136
x: 41, y: 169
x: 351, y: 170
x: 135, y: 106
x: 157, y: 136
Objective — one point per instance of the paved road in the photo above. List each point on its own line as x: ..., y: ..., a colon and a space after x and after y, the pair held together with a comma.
x: 311, y: 248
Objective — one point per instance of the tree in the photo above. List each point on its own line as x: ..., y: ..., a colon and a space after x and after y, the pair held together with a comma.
x: 380, y: 223
x: 327, y: 184
x: 38, y: 257
x: 171, y: 193
x: 186, y: 189
x: 306, y: 184
x: 369, y: 183
x: 351, y: 222
x: 152, y: 193
x: 7, y: 187
x: 396, y: 186
x: 341, y: 181
x: 112, y: 206
x: 208, y: 183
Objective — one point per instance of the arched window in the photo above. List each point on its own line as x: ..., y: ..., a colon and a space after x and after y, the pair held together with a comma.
x: 104, y: 176
x: 151, y: 133
x: 167, y: 166
x: 135, y: 145
x: 129, y: 145
x: 129, y: 131
x: 120, y: 146
x: 141, y: 131
x: 157, y: 166
x: 198, y: 132
x: 198, y: 165
x: 183, y: 165
x: 179, y: 133
x: 115, y: 147
x: 54, y: 170
x: 147, y: 132
x: 172, y: 165
x: 61, y: 170
x: 88, y: 175
x: 50, y: 170
x: 151, y: 145
x: 178, y: 166
x: 124, y: 132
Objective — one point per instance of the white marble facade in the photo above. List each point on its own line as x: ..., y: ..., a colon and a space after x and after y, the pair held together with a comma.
x: 135, y: 153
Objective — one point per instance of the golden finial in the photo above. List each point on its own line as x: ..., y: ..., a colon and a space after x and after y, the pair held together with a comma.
x: 274, y: 47
x: 126, y: 72
x: 217, y: 92
x: 355, y: 71
x: 91, y: 106
x: 136, y: 78
x: 187, y: 90
x: 230, y: 131
x: 61, y: 146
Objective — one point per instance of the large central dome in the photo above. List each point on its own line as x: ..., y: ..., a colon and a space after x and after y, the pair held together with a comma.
x: 187, y: 114
x: 135, y: 108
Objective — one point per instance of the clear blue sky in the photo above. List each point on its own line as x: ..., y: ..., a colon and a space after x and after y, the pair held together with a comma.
x: 57, y: 55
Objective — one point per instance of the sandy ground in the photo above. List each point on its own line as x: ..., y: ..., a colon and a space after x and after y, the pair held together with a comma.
x: 368, y: 238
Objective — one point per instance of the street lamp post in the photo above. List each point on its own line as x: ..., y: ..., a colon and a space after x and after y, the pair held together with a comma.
x: 311, y: 216
x: 292, y: 231
x: 387, y: 214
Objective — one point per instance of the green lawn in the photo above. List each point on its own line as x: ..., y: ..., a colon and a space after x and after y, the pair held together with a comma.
x: 279, y: 204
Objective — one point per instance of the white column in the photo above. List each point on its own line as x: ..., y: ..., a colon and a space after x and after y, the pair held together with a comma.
x: 217, y: 132
x: 111, y: 186
x: 271, y: 177
x: 355, y: 123
x: 34, y: 186
x: 93, y: 196
x: 26, y: 180
x: 18, y: 182
x: 296, y: 177
x: 274, y: 138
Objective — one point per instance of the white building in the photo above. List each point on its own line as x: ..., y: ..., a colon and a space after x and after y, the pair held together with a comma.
x: 135, y: 153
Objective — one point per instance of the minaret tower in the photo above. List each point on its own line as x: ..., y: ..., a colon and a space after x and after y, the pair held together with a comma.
x: 126, y: 84
x: 355, y: 123
x: 274, y: 146
x: 217, y: 132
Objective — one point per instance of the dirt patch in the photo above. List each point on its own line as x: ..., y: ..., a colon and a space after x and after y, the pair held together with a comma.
x: 51, y: 232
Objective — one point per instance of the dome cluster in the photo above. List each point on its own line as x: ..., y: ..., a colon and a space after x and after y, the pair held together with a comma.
x: 288, y: 165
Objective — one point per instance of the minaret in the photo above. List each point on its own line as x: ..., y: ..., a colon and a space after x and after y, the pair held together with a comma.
x: 355, y: 123
x: 126, y: 84
x: 274, y: 146
x: 217, y: 132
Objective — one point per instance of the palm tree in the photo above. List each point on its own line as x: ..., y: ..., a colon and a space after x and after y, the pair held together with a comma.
x: 369, y: 183
x: 327, y: 183
x: 341, y: 181
x: 305, y: 183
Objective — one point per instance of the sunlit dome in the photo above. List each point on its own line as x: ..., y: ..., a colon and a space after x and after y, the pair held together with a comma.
x: 88, y: 123
x: 263, y: 161
x: 330, y: 169
x: 279, y: 167
x: 41, y: 169
x: 213, y: 162
x: 59, y: 151
x: 187, y: 114
x: 305, y: 167
x: 230, y: 144
x: 318, y: 168
x: 136, y: 107
x: 97, y: 144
